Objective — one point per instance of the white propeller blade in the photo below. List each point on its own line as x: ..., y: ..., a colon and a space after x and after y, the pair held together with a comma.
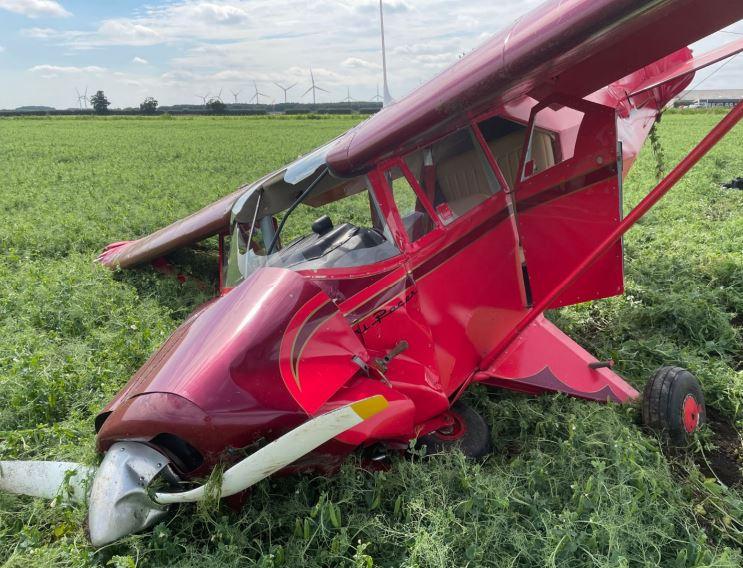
x: 285, y: 450
x: 45, y: 479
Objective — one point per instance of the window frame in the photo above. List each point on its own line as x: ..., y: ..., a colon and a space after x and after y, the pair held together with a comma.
x: 400, y: 234
x: 475, y: 125
x: 472, y: 125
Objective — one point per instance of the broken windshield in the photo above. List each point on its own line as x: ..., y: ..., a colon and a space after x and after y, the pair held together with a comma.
x: 324, y: 222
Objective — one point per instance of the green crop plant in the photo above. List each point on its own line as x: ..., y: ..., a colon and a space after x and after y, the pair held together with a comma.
x: 569, y: 483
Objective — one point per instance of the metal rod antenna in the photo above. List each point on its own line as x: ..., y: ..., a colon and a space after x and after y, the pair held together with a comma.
x: 387, y: 97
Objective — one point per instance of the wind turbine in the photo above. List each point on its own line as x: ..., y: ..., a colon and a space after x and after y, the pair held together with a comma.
x: 348, y: 98
x: 203, y: 98
x: 82, y: 99
x: 285, y: 89
x: 388, y: 100
x: 377, y: 97
x: 314, y: 88
x: 235, y: 94
x: 257, y: 96
x: 219, y: 96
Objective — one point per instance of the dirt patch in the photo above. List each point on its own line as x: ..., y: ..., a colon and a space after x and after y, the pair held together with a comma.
x: 725, y: 462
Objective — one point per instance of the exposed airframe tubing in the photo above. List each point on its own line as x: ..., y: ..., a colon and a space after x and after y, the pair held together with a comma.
x: 688, y: 162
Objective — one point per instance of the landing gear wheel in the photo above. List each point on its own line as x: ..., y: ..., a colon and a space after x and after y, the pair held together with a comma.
x: 673, y: 403
x: 467, y: 432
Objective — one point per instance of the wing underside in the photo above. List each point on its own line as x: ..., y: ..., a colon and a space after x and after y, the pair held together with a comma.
x: 211, y: 220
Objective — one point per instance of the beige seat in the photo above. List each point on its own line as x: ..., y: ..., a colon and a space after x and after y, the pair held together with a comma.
x: 463, y: 181
x: 542, y: 151
x: 507, y: 153
x: 460, y: 206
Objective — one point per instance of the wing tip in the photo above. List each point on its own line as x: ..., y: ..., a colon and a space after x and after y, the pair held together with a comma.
x: 111, y: 253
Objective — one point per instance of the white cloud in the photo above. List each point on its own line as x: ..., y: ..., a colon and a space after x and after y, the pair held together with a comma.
x: 55, y: 69
x: 358, y: 63
x: 127, y: 32
x: 40, y: 33
x: 35, y: 8
x: 178, y: 78
x: 229, y: 44
x: 2, y: 49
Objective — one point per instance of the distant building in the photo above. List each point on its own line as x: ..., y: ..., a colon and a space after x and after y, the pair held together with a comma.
x: 709, y: 98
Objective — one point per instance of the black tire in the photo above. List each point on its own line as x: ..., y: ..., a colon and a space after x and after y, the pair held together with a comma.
x: 673, y: 404
x: 474, y: 441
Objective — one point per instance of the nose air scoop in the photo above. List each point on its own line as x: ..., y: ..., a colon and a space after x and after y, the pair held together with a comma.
x: 119, y: 502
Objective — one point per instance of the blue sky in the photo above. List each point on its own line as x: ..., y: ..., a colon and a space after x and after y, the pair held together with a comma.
x: 177, y: 49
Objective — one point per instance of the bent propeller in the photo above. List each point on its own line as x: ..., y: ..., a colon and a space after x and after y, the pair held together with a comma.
x: 119, y: 500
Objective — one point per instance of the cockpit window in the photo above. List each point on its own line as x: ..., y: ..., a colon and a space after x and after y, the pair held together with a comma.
x: 335, y: 223
x: 349, y: 201
x: 454, y: 174
x: 413, y: 214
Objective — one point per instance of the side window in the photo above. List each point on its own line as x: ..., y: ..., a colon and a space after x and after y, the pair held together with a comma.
x: 552, y: 139
x: 413, y: 214
x: 454, y: 174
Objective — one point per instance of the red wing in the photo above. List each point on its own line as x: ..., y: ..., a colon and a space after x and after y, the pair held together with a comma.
x: 211, y: 220
x: 571, y: 47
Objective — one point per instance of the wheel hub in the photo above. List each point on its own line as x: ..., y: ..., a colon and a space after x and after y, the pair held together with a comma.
x: 691, y: 410
x: 453, y: 430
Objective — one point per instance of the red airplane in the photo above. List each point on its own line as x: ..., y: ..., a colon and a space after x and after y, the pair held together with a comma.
x: 445, y: 226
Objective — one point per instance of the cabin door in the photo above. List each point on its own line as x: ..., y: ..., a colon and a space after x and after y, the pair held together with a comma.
x: 568, y: 198
x: 461, y: 251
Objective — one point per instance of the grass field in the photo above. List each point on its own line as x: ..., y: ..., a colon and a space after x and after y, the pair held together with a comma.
x: 569, y: 483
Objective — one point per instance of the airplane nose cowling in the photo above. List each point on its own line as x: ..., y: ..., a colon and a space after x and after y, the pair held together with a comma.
x: 119, y: 504
x: 224, y: 379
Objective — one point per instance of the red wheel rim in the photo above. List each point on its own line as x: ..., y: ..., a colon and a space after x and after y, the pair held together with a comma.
x: 691, y: 410
x: 453, y: 431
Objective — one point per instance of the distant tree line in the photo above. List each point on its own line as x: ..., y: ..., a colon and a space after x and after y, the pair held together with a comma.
x: 101, y: 105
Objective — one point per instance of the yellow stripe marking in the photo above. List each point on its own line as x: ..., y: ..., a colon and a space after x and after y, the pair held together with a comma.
x: 370, y: 406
